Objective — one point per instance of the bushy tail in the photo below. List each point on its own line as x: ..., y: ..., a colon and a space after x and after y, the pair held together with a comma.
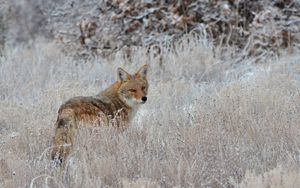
x: 63, y: 140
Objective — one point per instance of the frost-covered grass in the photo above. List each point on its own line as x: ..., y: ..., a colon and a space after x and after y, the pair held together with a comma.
x: 276, y: 178
x: 208, y: 120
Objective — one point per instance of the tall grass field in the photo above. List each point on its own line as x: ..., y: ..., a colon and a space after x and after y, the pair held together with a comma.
x: 210, y: 120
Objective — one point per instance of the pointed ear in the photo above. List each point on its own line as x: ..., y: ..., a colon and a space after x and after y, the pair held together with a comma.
x: 142, y: 72
x: 123, y: 75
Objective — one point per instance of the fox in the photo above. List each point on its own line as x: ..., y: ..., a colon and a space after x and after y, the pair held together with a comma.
x: 115, y: 106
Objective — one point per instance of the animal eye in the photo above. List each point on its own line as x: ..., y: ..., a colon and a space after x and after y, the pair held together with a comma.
x: 143, y: 88
x: 132, y: 90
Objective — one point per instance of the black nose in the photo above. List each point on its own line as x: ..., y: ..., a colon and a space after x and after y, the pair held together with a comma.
x: 144, y: 99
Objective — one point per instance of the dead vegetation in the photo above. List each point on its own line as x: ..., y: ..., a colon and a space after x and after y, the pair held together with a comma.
x: 253, y: 28
x: 208, y: 123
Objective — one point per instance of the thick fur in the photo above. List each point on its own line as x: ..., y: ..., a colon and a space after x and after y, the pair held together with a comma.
x: 114, y: 106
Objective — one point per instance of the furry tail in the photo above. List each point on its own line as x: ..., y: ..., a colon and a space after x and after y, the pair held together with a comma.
x: 63, y: 140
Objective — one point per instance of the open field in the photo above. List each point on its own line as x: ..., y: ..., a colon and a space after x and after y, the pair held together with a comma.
x: 208, y: 122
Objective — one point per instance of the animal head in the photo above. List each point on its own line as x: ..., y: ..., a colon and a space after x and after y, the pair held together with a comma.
x: 134, y: 87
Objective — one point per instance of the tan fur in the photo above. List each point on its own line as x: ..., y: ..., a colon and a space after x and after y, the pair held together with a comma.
x: 114, y: 106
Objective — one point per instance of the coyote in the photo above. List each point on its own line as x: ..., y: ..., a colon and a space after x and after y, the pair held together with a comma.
x: 114, y: 106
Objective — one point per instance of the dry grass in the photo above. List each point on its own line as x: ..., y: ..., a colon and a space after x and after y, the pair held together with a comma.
x: 207, y: 123
x: 276, y: 178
